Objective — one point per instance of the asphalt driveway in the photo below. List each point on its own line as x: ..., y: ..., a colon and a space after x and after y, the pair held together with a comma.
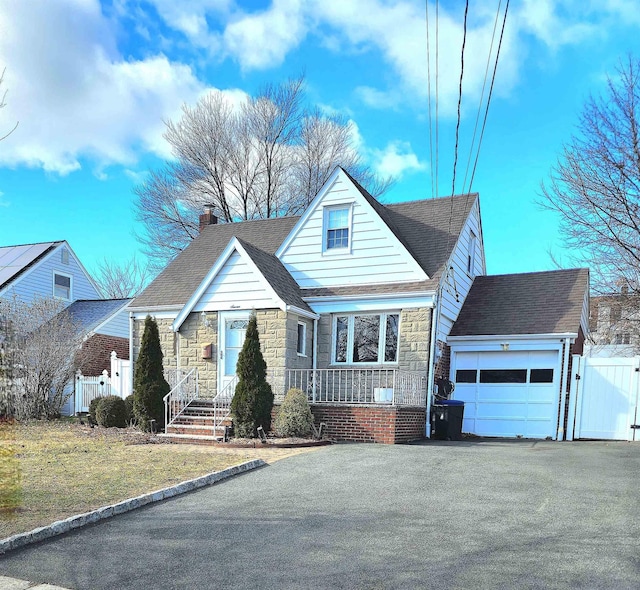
x: 484, y: 514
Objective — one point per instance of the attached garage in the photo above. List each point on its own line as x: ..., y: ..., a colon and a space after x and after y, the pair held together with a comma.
x: 509, y: 393
x: 510, y: 349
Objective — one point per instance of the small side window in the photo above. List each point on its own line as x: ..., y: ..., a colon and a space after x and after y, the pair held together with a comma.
x: 302, y: 339
x: 64, y: 256
x: 541, y: 376
x: 466, y: 376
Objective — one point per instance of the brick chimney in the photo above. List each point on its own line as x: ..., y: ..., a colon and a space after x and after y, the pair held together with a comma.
x: 208, y: 217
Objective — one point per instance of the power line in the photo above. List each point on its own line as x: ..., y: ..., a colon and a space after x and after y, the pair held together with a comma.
x: 426, y: 6
x: 484, y: 85
x: 437, y: 66
x: 493, y: 77
x: 455, y: 149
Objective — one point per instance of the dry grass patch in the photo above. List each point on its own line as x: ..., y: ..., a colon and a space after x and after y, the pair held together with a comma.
x: 65, y: 468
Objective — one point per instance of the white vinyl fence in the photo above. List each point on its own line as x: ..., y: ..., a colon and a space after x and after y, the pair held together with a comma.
x: 118, y: 383
x: 604, y: 399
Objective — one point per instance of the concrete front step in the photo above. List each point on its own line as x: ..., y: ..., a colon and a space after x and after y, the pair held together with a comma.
x: 200, y: 421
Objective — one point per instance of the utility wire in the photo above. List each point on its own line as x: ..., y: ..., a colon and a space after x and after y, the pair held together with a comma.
x: 493, y: 78
x: 455, y: 149
x: 484, y: 85
x: 431, y: 159
x: 437, y: 66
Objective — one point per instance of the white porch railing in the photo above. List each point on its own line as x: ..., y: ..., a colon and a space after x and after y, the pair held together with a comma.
x: 356, y: 386
x: 181, y: 395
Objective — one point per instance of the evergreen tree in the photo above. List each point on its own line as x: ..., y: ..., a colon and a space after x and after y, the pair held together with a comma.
x: 253, y: 400
x: 149, y: 384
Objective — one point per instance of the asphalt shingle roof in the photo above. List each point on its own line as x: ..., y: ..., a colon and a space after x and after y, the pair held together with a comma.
x: 427, y: 228
x: 529, y: 303
x: 88, y: 314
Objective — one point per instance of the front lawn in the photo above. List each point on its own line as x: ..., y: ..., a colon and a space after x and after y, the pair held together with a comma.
x: 52, y: 470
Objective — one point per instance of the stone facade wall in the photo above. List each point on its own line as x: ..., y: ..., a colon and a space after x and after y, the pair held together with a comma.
x: 193, y: 336
x: 167, y: 339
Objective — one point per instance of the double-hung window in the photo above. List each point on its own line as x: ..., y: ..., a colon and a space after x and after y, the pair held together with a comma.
x: 62, y: 286
x: 337, y: 228
x: 366, y: 338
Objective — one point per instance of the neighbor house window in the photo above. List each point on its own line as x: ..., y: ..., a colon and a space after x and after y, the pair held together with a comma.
x: 65, y: 256
x: 62, y: 286
x: 624, y: 338
x: 302, y: 339
x: 337, y: 228
x: 366, y: 338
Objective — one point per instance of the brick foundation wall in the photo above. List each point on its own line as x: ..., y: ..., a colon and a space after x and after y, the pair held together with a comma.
x: 95, y: 355
x: 359, y: 423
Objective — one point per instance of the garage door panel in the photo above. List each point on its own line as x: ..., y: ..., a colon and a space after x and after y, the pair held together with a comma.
x: 509, y: 409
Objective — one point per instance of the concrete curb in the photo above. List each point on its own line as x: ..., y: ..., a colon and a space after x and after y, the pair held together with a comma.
x: 79, y: 520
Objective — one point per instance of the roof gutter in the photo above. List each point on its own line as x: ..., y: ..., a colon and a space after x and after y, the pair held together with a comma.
x: 321, y: 298
x: 303, y: 312
x: 491, y: 337
x: 152, y: 308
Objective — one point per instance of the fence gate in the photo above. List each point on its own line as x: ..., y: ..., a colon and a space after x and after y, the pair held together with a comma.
x: 604, y: 398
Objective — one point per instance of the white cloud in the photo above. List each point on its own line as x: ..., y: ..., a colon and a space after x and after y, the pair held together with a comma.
x: 262, y: 40
x: 3, y: 201
x: 75, y: 95
x: 396, y: 160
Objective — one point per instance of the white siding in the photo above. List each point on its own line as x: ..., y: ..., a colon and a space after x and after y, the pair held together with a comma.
x: 39, y: 279
x: 376, y: 255
x: 237, y: 286
x: 458, y: 281
x: 117, y: 326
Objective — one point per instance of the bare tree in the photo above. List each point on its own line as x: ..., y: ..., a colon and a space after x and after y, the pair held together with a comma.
x: 595, y: 186
x: 3, y: 104
x: 39, y: 349
x: 122, y: 281
x: 266, y: 158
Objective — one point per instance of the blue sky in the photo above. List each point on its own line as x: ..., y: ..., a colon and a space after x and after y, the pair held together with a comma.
x: 92, y: 82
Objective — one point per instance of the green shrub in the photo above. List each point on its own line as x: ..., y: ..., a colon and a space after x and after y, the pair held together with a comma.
x: 149, y: 384
x: 128, y: 404
x: 92, y: 408
x: 253, y: 400
x: 112, y: 411
x: 295, y: 417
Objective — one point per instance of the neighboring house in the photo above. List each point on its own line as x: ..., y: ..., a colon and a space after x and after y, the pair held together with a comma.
x: 355, y: 303
x: 47, y: 269
x: 52, y: 269
x: 615, y: 326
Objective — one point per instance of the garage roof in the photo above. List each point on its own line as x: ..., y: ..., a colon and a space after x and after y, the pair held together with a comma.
x: 549, y: 302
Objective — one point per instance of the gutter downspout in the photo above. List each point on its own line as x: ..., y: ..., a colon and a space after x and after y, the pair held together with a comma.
x: 315, y: 355
x: 563, y: 392
x: 432, y: 360
x: 131, y: 363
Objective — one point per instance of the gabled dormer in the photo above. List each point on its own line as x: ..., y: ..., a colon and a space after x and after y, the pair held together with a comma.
x: 343, y: 238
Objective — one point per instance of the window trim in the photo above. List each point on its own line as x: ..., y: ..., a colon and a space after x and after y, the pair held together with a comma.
x: 325, y: 229
x: 303, y: 352
x: 350, y: 336
x: 53, y: 285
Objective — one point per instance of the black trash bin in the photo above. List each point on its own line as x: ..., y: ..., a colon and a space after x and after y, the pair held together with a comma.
x: 447, y: 419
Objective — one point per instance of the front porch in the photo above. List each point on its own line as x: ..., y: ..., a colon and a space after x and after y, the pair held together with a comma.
x: 364, y: 405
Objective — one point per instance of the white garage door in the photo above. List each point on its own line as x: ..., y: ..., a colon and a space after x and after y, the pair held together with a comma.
x: 508, y: 394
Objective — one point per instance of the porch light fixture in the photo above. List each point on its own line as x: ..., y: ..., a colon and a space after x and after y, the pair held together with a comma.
x: 505, y: 346
x: 205, y: 321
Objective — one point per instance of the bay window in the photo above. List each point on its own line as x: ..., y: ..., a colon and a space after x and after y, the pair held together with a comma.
x: 365, y: 338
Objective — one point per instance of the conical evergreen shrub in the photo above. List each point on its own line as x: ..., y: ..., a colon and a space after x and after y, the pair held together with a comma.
x: 149, y: 384
x: 253, y: 400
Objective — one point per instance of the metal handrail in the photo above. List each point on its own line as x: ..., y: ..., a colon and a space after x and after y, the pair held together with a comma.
x: 176, y: 401
x: 222, y: 403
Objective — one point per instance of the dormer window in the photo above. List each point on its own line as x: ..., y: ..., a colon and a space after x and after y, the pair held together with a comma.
x: 337, y: 222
